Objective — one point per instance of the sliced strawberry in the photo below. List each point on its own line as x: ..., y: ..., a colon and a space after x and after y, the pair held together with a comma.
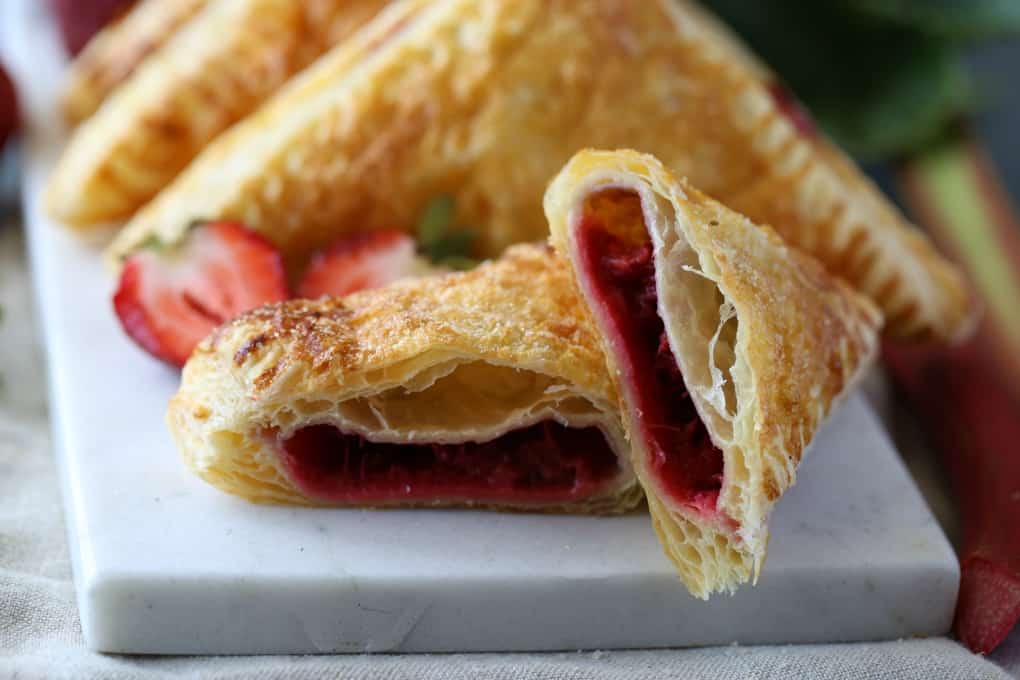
x: 361, y: 261
x: 169, y: 300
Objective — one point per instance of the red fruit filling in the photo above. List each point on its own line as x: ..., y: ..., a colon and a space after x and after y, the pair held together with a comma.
x: 620, y: 274
x: 546, y: 462
x: 793, y: 109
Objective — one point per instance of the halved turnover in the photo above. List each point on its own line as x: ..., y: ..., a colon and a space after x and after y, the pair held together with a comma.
x: 486, y: 389
x: 728, y: 347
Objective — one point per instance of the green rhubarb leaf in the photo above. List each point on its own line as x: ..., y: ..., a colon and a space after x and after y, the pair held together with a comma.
x: 914, y: 100
x: 953, y: 19
x: 877, y: 88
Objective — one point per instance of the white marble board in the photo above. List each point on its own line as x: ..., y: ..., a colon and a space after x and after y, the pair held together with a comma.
x: 166, y: 564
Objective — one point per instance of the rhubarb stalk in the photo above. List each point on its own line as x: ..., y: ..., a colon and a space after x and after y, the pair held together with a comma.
x: 968, y: 397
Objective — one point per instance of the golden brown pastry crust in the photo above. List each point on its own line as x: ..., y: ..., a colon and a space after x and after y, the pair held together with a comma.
x: 113, y: 53
x: 486, y: 100
x: 763, y: 387
x: 518, y: 320
x: 219, y: 67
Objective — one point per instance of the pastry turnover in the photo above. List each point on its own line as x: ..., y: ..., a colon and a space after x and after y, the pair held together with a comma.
x: 486, y: 388
x: 728, y: 347
x: 113, y: 53
x: 219, y: 67
x: 486, y: 99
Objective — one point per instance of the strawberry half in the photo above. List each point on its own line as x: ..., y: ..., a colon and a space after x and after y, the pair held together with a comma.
x: 169, y: 300
x: 361, y: 261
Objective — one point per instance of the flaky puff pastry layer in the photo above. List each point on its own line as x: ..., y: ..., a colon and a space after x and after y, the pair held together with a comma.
x: 211, y: 73
x: 766, y: 340
x: 486, y: 99
x: 113, y: 54
x: 447, y: 358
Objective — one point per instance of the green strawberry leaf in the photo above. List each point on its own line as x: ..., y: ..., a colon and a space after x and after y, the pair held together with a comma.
x: 460, y: 264
x: 436, y: 221
x: 440, y: 240
x: 152, y: 242
x: 453, y: 244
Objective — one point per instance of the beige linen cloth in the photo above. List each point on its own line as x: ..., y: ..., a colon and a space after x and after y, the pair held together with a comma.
x: 40, y: 635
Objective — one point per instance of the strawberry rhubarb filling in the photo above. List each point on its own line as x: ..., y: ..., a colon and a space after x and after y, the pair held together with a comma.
x: 619, y: 273
x: 543, y: 463
x: 788, y: 105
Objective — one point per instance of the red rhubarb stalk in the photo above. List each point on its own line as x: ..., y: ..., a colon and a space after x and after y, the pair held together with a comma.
x: 968, y: 397
x: 976, y: 425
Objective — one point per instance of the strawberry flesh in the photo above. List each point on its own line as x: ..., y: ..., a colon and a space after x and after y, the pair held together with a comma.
x: 168, y: 301
x: 359, y: 262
